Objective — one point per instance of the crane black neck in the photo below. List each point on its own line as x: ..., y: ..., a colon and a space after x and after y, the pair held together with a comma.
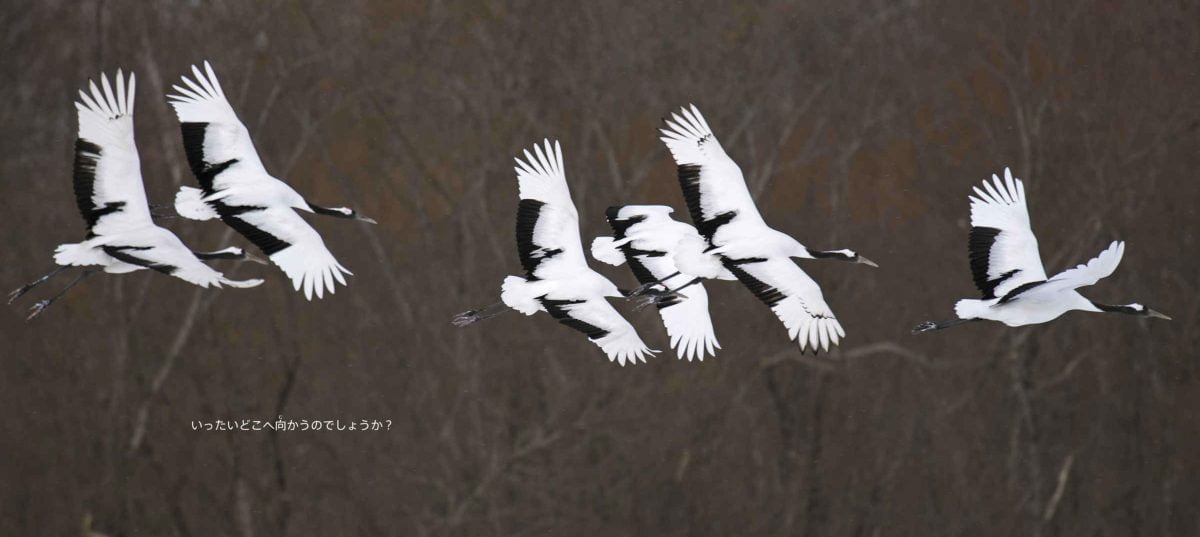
x: 1128, y: 310
x: 339, y: 212
x: 837, y: 254
x: 221, y: 254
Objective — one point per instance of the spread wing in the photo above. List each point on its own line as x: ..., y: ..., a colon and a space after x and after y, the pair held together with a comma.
x: 1003, y: 251
x: 712, y: 183
x: 107, y: 172
x: 292, y: 245
x: 159, y: 249
x: 602, y: 324
x: 1083, y: 275
x: 547, y: 223
x: 794, y: 297
x: 218, y: 146
x: 688, y: 323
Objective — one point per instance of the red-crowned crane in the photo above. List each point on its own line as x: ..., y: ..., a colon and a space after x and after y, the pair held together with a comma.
x: 654, y: 245
x: 759, y: 256
x: 1007, y: 267
x: 557, y: 277
x: 121, y: 237
x: 235, y: 187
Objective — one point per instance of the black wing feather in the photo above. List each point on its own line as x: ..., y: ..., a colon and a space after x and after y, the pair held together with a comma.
x: 766, y: 293
x: 231, y: 215
x: 558, y: 310
x: 121, y: 253
x: 87, y: 156
x: 979, y: 247
x: 531, y: 254
x: 689, y: 182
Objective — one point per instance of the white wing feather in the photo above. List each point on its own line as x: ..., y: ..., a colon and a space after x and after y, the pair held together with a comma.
x: 164, y: 248
x: 722, y: 187
x: 621, y: 343
x: 800, y: 305
x: 307, y: 262
x: 225, y: 138
x: 1086, y: 274
x: 689, y: 325
x: 541, y: 177
x: 106, y: 119
x: 1001, y: 205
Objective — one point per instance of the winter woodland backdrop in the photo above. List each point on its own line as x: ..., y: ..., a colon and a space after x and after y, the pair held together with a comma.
x: 859, y: 124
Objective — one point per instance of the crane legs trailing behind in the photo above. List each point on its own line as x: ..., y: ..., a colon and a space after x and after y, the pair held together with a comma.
x: 652, y: 297
x: 929, y: 326
x: 17, y: 293
x: 473, y: 316
x: 41, y: 305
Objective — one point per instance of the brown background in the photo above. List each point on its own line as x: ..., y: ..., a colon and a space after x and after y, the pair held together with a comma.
x: 859, y: 124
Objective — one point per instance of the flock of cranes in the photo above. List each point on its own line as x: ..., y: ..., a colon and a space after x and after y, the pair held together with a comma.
x: 731, y: 241
x: 727, y: 240
x: 121, y: 235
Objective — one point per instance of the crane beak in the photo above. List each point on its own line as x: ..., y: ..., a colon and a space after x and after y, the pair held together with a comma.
x: 251, y: 257
x: 366, y: 219
x: 1155, y: 314
x: 866, y: 262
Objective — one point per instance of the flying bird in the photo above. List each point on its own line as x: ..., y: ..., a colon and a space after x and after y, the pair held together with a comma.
x: 121, y: 237
x: 649, y: 240
x: 1007, y: 267
x: 759, y: 256
x: 235, y: 187
x: 557, y: 278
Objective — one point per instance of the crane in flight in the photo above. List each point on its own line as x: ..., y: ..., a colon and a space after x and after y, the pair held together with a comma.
x: 756, y: 254
x: 236, y: 188
x: 646, y: 238
x: 557, y: 277
x: 121, y: 236
x: 1007, y: 267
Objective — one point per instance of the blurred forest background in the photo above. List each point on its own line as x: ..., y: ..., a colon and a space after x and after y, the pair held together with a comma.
x: 859, y: 124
